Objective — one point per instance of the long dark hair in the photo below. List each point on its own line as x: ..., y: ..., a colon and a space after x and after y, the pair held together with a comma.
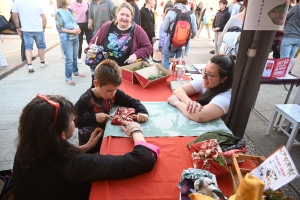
x: 226, y: 66
x: 38, y: 139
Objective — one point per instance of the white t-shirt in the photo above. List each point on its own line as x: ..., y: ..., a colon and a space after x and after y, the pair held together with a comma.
x: 222, y: 100
x: 29, y: 14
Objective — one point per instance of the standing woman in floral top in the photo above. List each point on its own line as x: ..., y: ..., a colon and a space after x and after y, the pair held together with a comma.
x: 68, y: 31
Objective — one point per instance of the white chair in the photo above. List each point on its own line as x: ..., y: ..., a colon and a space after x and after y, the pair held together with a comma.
x: 290, y: 112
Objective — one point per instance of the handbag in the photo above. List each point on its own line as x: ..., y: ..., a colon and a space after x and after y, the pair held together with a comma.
x: 5, y: 25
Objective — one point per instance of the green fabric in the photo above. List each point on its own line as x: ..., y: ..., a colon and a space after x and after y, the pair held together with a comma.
x: 224, y: 139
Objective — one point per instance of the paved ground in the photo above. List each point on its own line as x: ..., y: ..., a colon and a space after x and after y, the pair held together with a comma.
x: 18, y: 87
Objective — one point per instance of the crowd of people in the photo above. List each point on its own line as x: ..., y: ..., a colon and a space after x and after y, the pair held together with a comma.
x: 124, y: 35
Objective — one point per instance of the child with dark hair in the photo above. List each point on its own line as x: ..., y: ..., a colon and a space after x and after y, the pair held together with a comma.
x: 214, y: 88
x: 219, y: 23
x: 93, y: 107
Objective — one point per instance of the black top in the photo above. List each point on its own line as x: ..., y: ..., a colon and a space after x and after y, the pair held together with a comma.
x: 70, y: 178
x: 88, y: 104
x: 221, y: 19
x: 114, y: 41
x: 147, y: 22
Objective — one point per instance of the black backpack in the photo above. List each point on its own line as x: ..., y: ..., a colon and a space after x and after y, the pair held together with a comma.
x: 4, y: 24
x: 181, y: 30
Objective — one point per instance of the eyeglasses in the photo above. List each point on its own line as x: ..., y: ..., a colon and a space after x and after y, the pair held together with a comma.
x: 207, y: 75
x: 53, y: 103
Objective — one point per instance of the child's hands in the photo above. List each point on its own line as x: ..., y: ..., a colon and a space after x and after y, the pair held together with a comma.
x: 141, y: 117
x: 101, y: 117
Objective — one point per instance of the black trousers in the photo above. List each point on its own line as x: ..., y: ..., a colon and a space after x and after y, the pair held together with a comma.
x: 88, y: 35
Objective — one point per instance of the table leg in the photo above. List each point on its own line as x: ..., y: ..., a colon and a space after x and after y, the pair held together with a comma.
x: 271, y: 124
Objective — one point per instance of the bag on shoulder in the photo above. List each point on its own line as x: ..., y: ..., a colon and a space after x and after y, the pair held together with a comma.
x: 4, y: 24
x: 181, y: 29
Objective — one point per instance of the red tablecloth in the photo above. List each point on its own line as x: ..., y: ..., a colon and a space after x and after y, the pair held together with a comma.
x: 161, y: 182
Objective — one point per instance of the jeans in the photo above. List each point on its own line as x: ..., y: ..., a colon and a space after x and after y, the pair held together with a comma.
x: 289, y: 47
x: 30, y: 37
x: 70, y: 48
x: 175, y: 51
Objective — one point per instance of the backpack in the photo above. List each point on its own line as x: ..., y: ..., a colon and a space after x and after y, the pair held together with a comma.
x: 4, y: 24
x: 231, y: 41
x: 181, y: 30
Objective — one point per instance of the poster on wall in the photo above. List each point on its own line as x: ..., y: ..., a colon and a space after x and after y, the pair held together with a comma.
x: 266, y: 14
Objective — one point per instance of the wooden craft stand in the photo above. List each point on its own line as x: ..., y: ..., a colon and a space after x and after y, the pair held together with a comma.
x: 237, y: 173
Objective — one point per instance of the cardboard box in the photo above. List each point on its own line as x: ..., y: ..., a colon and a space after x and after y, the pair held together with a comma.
x: 128, y: 74
x: 143, y: 74
x: 275, y: 68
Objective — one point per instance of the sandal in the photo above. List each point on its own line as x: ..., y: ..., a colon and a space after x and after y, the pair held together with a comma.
x: 70, y: 82
x: 80, y: 75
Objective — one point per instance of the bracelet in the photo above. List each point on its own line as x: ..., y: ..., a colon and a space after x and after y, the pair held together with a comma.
x: 136, y: 131
x: 135, y: 127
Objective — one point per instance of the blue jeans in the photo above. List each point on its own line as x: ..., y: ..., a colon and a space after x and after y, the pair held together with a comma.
x: 175, y: 51
x: 289, y: 47
x: 30, y: 37
x: 70, y: 48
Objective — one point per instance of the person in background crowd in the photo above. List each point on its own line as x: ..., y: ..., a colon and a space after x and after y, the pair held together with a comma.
x: 81, y: 11
x: 137, y: 16
x: 163, y: 37
x: 168, y: 25
x: 237, y: 7
x: 219, y: 23
x: 112, y: 34
x: 31, y: 15
x: 169, y: 4
x: 214, y: 88
x: 207, y: 13
x: 198, y: 12
x: 291, y: 37
x: 3, y: 62
x: 100, y: 12
x: 231, y: 5
x: 93, y: 107
x: 59, y: 170
x: 68, y: 31
x: 147, y: 20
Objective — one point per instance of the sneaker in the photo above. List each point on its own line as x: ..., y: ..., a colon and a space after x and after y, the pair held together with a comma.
x: 212, y: 52
x: 44, y: 65
x: 198, y: 39
x: 30, y: 69
x: 4, y: 67
x: 79, y: 61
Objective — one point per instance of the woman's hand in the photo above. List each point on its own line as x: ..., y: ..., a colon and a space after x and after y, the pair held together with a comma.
x: 129, y: 127
x: 192, y: 106
x: 173, y: 100
x: 94, y: 138
x: 141, y: 117
x: 131, y: 59
x: 90, y: 27
x: 101, y: 117
x: 96, y: 134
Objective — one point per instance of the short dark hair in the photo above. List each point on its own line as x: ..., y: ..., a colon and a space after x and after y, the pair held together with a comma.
x: 108, y: 72
x: 38, y: 139
x: 223, y: 2
x: 184, y: 2
x: 226, y: 66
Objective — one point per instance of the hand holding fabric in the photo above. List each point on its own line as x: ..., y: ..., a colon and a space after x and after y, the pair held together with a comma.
x: 129, y: 127
x: 141, y: 117
x: 101, y: 117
